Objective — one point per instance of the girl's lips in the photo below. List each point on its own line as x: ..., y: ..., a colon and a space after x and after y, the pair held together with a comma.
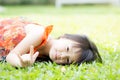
x: 56, y: 56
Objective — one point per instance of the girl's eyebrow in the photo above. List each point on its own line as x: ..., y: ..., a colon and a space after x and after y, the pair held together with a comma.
x: 76, y: 46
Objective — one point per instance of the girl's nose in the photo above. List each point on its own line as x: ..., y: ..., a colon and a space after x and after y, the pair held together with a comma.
x: 64, y: 55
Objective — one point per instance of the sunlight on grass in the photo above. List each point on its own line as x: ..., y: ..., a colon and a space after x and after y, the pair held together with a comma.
x: 100, y: 23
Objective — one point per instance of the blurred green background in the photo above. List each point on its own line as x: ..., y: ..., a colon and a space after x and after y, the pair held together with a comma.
x: 22, y: 2
x: 100, y: 22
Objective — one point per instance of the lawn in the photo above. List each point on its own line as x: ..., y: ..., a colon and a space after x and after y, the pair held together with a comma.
x: 100, y: 22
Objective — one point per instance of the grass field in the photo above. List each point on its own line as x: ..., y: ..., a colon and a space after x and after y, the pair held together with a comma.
x: 101, y: 23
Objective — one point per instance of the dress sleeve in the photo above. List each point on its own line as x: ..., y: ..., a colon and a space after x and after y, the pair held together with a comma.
x: 47, y: 31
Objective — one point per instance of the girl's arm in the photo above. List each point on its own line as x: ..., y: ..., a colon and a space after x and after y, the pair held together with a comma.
x: 18, y: 54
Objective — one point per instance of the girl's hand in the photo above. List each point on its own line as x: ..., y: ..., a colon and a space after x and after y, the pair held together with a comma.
x: 28, y: 59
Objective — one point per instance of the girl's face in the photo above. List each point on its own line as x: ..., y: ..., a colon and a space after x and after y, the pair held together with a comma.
x: 64, y: 52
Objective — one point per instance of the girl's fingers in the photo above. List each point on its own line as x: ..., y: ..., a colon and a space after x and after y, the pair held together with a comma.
x: 21, y: 60
x: 31, y: 50
x: 35, y: 56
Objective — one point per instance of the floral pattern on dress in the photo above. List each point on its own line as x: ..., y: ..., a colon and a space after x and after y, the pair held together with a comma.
x: 11, y: 33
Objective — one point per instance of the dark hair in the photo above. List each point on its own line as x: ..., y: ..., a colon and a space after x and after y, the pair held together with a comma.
x: 89, y: 52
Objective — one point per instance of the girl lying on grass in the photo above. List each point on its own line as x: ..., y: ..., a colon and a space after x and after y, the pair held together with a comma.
x: 21, y: 42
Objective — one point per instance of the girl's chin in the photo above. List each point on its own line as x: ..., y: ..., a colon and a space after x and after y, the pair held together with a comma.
x: 52, y: 56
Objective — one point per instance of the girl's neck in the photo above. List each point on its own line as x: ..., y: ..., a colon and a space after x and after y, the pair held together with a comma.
x: 48, y: 46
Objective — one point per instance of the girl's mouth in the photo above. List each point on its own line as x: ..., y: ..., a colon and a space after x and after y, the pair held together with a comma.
x: 55, y: 56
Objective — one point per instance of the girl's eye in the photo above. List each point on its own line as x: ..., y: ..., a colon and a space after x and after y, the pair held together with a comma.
x: 67, y: 49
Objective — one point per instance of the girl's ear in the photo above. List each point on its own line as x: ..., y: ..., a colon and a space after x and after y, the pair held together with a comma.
x: 87, y: 56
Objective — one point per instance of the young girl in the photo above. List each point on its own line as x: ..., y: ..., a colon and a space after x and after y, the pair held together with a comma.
x: 21, y: 42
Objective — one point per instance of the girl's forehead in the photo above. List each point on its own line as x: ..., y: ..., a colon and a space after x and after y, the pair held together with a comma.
x: 68, y: 40
x: 74, y: 46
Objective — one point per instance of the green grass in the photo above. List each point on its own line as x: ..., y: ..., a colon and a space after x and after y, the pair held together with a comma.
x: 99, y: 22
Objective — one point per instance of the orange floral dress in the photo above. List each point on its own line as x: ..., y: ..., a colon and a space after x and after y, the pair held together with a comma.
x: 12, y: 32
